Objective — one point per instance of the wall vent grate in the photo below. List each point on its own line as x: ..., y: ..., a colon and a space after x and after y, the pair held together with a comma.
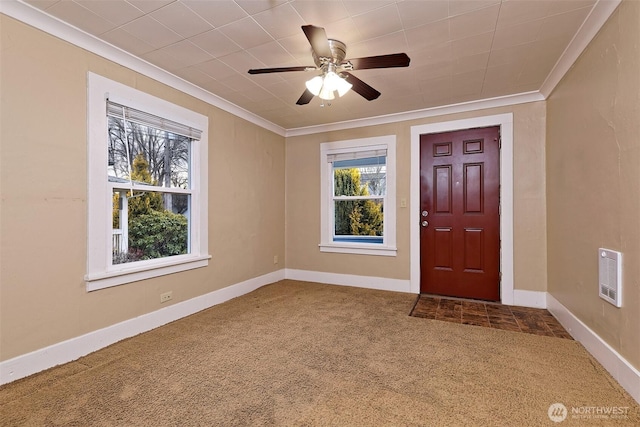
x: 610, y: 276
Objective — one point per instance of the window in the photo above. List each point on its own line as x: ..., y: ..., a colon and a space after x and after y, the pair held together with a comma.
x: 147, y: 208
x: 358, y: 196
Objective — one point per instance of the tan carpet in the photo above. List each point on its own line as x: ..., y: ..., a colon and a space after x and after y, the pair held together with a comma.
x: 305, y: 354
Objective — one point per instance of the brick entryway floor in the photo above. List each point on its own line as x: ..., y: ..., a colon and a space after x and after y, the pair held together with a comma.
x: 491, y: 315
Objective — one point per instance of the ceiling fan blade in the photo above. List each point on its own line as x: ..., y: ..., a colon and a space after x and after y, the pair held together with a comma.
x: 318, y: 39
x: 279, y: 70
x: 381, y: 61
x: 305, y: 98
x: 361, y: 87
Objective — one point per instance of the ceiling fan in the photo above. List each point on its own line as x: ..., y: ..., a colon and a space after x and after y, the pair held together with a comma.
x: 328, y: 55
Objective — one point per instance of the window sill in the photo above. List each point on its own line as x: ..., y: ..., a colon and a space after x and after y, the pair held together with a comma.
x: 360, y: 249
x: 153, y: 268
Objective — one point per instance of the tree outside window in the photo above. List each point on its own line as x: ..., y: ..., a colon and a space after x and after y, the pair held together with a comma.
x: 357, y: 196
x: 157, y: 219
x: 357, y: 216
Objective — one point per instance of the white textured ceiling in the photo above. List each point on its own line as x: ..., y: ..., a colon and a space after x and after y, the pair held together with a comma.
x: 460, y: 50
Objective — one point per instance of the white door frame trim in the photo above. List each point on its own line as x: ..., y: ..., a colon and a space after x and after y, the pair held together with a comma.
x: 505, y: 121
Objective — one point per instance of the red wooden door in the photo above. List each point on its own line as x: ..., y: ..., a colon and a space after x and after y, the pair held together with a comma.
x: 460, y: 213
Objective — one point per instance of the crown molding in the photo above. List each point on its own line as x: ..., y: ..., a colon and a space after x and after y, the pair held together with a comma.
x: 36, y: 18
x: 41, y: 20
x: 501, y: 101
x: 600, y: 13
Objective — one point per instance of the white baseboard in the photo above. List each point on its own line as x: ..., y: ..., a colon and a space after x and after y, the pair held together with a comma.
x: 534, y: 299
x: 22, y: 366
x: 619, y: 368
x: 380, y: 283
x: 72, y: 349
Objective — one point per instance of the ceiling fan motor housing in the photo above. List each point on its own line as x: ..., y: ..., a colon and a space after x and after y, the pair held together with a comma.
x: 338, y: 53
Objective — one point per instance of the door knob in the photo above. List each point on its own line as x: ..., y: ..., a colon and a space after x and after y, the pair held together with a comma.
x: 425, y: 223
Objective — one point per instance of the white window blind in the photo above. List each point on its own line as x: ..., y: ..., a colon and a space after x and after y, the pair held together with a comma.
x: 118, y: 111
x: 355, y: 155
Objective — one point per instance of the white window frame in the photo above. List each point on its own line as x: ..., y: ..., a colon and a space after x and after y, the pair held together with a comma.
x: 388, y: 246
x: 100, y: 271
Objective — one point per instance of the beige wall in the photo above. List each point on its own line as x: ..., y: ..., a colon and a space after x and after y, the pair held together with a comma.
x: 303, y: 199
x: 43, y: 191
x: 593, y: 180
x: 43, y: 213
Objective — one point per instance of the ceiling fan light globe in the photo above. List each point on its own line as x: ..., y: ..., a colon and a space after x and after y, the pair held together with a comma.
x: 343, y: 87
x: 326, y: 94
x: 336, y: 83
x: 331, y: 81
x: 314, y: 85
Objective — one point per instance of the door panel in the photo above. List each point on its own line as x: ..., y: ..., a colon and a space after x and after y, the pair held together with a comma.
x: 473, y: 188
x: 473, y: 250
x: 443, y: 177
x: 443, y: 249
x: 460, y: 193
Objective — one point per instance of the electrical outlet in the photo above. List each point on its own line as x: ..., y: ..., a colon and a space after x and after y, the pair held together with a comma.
x: 275, y: 259
x: 166, y: 297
